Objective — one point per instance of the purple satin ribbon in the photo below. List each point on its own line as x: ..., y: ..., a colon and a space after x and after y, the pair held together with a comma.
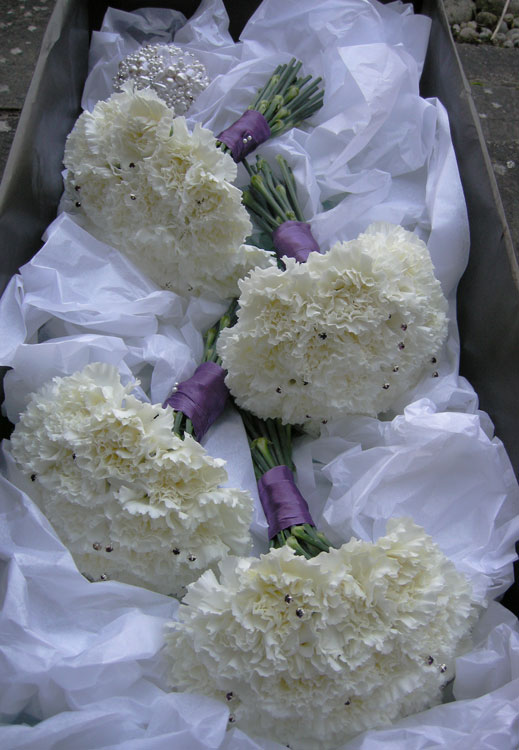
x: 244, y: 135
x: 202, y: 397
x: 283, y: 504
x: 294, y: 239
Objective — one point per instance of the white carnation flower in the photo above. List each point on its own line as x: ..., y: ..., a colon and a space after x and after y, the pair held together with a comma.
x: 139, y: 180
x: 130, y: 499
x: 312, y: 652
x: 346, y: 332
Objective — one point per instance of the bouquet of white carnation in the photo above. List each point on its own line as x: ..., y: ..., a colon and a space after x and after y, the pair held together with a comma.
x: 139, y: 180
x: 344, y: 332
x: 131, y: 499
x: 310, y: 645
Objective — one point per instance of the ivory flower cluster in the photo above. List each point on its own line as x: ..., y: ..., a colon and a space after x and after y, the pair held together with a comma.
x: 139, y: 180
x: 346, y: 332
x: 130, y: 499
x: 312, y: 652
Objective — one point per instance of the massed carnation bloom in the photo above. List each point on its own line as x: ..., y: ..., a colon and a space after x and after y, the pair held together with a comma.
x: 311, y: 652
x: 139, y: 180
x: 347, y: 332
x: 128, y: 497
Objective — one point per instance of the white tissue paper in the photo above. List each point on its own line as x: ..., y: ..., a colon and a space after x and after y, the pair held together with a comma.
x: 81, y: 663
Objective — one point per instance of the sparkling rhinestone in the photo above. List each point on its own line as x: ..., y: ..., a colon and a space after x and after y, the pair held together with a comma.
x: 133, y: 197
x: 401, y: 345
x: 78, y: 204
x: 395, y: 368
x: 109, y: 548
x: 191, y: 558
x: 347, y: 703
x: 176, y: 551
x: 430, y: 660
x: 77, y: 188
x: 433, y: 360
x: 230, y: 696
x: 323, y: 336
x: 443, y: 668
x: 324, y: 421
x: 435, y: 374
x: 385, y: 386
x: 33, y: 477
x: 103, y: 577
x: 404, y: 326
x: 231, y: 719
x: 288, y: 598
x: 96, y: 546
x: 164, y: 68
x: 278, y: 390
x: 300, y: 612
x: 131, y: 165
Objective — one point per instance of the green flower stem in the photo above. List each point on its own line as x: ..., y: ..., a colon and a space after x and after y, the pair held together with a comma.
x: 304, y: 539
x: 286, y: 100
x: 290, y: 185
x: 227, y: 320
x: 282, y: 195
x: 271, y: 445
x: 272, y: 199
x: 268, y: 90
x: 285, y: 96
x: 308, y: 534
x: 274, y: 106
x: 182, y: 424
x: 258, y: 185
x: 177, y: 424
x: 262, y: 456
x: 304, y: 94
x: 299, y: 548
x: 305, y: 108
x: 277, y: 437
x: 282, y: 78
x: 273, y: 435
x: 285, y: 439
x: 263, y: 217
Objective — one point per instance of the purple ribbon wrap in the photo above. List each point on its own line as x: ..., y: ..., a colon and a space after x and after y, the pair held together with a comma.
x: 294, y: 239
x: 202, y: 397
x: 244, y: 135
x: 283, y: 504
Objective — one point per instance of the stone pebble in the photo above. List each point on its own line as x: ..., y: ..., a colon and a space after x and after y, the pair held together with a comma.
x: 476, y: 22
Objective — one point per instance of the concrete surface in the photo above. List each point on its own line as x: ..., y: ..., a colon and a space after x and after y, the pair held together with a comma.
x: 493, y: 74
x: 22, y: 25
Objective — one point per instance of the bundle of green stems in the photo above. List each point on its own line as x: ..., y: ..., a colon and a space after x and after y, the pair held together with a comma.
x: 286, y: 99
x: 270, y: 444
x: 272, y: 198
x: 183, y: 425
